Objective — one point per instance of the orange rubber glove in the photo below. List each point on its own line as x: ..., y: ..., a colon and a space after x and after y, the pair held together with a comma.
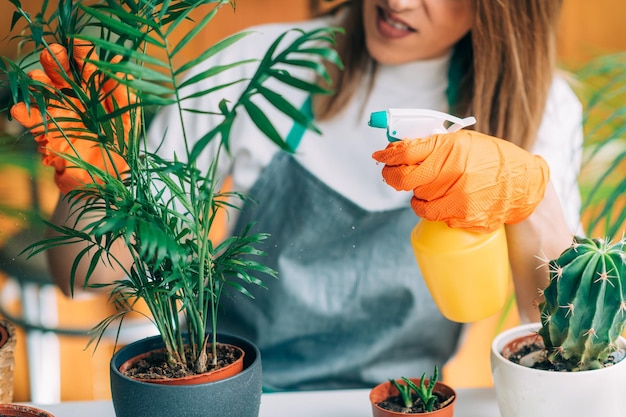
x: 66, y: 133
x: 466, y: 179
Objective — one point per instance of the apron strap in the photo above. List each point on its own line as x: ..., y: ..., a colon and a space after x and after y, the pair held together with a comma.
x: 297, y: 130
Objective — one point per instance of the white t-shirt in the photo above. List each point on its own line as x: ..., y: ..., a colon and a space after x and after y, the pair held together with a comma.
x: 341, y: 155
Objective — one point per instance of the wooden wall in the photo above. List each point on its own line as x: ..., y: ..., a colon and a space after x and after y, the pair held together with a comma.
x: 588, y: 28
x: 591, y: 28
x: 226, y: 22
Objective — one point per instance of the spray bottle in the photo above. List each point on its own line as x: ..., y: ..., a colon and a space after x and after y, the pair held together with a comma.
x: 467, y: 273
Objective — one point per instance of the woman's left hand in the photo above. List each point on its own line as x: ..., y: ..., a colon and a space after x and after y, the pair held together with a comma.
x: 466, y: 179
x: 60, y: 128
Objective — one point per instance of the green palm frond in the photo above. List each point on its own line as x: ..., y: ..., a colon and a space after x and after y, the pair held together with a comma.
x: 602, y: 87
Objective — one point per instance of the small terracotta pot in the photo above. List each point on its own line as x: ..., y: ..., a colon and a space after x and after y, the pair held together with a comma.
x: 7, y: 360
x: 385, y: 390
x: 211, y: 376
x: 18, y: 410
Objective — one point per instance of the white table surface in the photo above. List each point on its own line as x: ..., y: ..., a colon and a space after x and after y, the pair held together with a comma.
x: 340, y: 403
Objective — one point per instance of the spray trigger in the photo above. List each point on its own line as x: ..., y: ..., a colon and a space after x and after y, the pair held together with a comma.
x: 416, y: 123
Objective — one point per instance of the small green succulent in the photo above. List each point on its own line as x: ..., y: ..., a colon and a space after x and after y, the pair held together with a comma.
x: 424, y: 392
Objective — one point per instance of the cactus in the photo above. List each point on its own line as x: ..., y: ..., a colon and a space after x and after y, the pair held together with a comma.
x: 584, y: 311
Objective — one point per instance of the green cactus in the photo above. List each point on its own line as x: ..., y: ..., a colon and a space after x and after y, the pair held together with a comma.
x: 584, y: 311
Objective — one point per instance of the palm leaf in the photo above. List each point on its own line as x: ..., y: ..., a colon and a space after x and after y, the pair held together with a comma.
x: 602, y: 86
x: 196, y: 29
x: 121, y: 28
x: 211, y: 51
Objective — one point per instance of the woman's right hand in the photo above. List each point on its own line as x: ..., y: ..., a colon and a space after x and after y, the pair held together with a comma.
x: 466, y: 179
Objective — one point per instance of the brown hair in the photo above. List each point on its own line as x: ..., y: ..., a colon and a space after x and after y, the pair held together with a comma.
x: 507, y: 64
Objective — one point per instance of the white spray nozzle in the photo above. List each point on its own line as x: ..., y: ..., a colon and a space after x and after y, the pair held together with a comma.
x: 416, y: 123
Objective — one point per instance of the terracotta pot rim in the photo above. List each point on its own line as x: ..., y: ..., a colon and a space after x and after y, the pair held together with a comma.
x: 4, y: 335
x: 7, y: 331
x: 24, y: 410
x: 386, y: 386
x: 210, y: 376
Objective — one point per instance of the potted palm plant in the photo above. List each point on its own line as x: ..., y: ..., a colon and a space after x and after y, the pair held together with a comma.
x: 89, y: 112
x: 572, y: 362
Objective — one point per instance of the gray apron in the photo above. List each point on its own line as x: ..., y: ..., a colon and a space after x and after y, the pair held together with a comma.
x: 349, y: 308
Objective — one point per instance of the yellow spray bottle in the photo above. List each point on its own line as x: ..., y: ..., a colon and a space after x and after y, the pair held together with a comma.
x: 467, y: 273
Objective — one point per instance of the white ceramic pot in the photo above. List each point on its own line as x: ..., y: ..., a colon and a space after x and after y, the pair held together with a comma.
x: 527, y: 392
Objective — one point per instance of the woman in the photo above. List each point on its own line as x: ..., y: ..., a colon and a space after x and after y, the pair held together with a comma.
x: 350, y: 308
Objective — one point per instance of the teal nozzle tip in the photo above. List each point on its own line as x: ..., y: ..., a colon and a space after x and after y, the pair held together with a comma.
x: 378, y: 119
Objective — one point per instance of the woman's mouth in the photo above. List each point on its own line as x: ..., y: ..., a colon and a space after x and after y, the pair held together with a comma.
x: 391, y: 27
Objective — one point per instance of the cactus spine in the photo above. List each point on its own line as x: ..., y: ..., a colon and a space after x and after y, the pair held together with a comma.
x: 584, y: 310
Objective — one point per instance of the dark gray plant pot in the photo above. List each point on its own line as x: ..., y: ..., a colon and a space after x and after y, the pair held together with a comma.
x: 237, y: 396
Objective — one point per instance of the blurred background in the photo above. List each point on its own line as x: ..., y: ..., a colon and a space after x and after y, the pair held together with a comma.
x: 589, y: 31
